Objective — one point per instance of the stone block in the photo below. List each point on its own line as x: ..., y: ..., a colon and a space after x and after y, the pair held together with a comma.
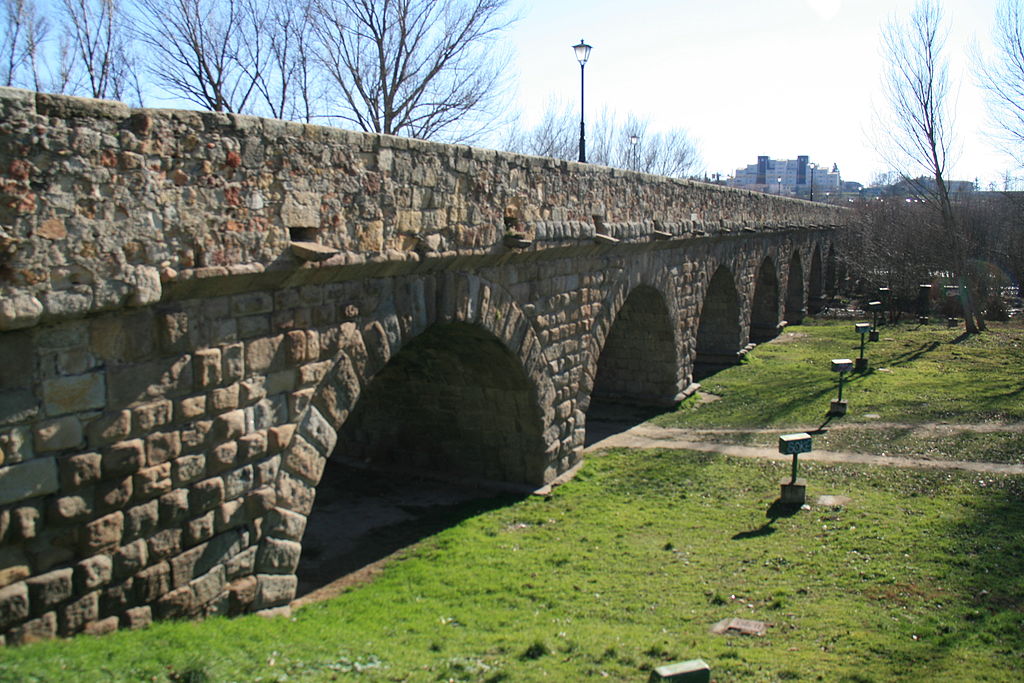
x: 230, y: 514
x: 206, y: 495
x: 692, y: 671
x: 117, y: 598
x: 266, y: 471
x: 242, y: 594
x: 233, y: 359
x: 251, y: 304
x: 101, y: 627
x: 109, y: 428
x: 101, y: 533
x: 141, y: 520
x: 75, y: 394
x: 241, y: 564
x: 264, y: 354
x: 14, y: 566
x: 13, y: 604
x: 123, y: 457
x: 209, y: 586
x: 162, y: 446
x: 79, y: 470
x: 294, y: 493
x: 238, y: 481
x: 260, y: 501
x: 165, y: 544
x: 71, y: 508
x: 191, y: 407
x: 222, y: 457
x: 278, y: 438
x: 49, y: 589
x: 252, y: 446
x: 224, y: 399
x: 93, y: 572
x: 130, y: 559
x: 285, y: 524
x: 174, y: 507
x: 74, y: 616
x: 200, y: 529
x: 278, y: 556
x: 28, y: 479
x: 57, y: 435
x: 304, y: 460
x: 177, y: 603
x: 149, y: 416
x: 206, y: 366
x: 42, y: 628
x: 137, y: 617
x: 15, y: 445
x: 274, y: 590
x: 187, y: 469
x: 152, y: 582
x: 152, y: 481
x: 113, y: 494
x: 54, y: 546
x: 229, y: 425
x: 27, y: 520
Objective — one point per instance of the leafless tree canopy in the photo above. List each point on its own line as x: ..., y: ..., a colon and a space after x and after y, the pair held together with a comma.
x: 672, y: 153
x: 210, y: 52
x: 423, y: 68
x: 919, y: 126
x: 1002, y: 77
x: 100, y: 56
x: 21, y: 36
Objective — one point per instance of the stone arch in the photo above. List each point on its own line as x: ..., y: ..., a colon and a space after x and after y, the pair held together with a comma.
x: 796, y: 307
x: 638, y: 362
x: 816, y: 283
x: 764, y: 308
x: 719, y: 331
x: 831, y: 280
x: 424, y: 322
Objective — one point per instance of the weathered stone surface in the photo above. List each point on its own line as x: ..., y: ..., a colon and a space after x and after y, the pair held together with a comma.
x: 274, y: 590
x: 58, y: 435
x: 13, y: 604
x: 50, y: 589
x: 75, y: 394
x: 278, y: 556
x: 36, y: 477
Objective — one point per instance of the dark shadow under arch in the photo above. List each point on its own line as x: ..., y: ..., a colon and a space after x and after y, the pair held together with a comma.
x: 454, y: 402
x: 638, y: 369
x: 431, y: 439
x: 764, y: 310
x: 796, y: 307
x: 718, y: 334
x: 816, y: 284
x: 638, y: 363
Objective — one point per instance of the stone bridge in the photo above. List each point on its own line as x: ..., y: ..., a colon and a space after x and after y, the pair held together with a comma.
x: 197, y: 310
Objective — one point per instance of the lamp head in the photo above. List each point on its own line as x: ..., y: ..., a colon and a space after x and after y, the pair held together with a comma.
x: 582, y: 52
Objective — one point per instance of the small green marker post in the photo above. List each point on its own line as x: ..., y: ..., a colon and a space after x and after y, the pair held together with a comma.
x: 794, y: 490
x: 862, y: 362
x: 842, y: 366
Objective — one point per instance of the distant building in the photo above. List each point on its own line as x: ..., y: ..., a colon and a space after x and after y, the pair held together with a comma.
x: 788, y: 177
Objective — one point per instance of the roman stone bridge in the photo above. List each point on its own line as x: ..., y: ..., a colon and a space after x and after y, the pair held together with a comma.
x: 198, y: 310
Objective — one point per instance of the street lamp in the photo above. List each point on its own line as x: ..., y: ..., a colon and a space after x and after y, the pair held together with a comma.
x: 813, y: 168
x: 779, y: 181
x: 582, y: 55
x: 635, y: 157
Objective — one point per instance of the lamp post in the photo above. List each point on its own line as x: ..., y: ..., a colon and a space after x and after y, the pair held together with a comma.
x: 813, y: 168
x: 779, y: 181
x: 634, y: 159
x: 582, y: 55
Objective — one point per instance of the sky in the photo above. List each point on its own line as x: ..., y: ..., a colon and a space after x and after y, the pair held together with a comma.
x: 747, y: 77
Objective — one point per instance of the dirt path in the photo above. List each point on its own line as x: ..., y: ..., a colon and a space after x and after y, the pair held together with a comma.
x: 649, y: 436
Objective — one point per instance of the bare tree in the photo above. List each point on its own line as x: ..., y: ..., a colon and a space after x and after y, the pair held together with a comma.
x: 918, y: 129
x: 289, y: 84
x: 210, y: 52
x: 98, y: 47
x: 672, y: 153
x: 1002, y: 77
x: 422, y: 68
x: 22, y: 35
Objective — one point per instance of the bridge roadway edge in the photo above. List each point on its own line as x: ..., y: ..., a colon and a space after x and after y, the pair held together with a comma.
x: 163, y: 425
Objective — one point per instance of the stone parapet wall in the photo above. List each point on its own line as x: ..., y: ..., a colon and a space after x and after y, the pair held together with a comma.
x: 102, y: 206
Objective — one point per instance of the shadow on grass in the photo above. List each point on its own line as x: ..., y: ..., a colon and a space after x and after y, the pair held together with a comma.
x: 911, y: 356
x: 361, y: 517
x: 777, y: 510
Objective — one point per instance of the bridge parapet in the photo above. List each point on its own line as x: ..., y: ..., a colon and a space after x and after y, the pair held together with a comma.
x: 102, y: 206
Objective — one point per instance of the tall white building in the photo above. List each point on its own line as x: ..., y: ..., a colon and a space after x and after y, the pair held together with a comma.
x: 788, y: 177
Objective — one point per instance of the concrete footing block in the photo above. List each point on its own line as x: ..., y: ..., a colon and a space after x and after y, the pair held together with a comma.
x: 692, y: 671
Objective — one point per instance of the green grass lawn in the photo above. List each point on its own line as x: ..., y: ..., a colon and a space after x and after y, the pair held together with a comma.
x: 919, y: 577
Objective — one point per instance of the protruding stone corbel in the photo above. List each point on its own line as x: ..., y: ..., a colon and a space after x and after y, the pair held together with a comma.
x: 516, y: 240
x: 605, y: 239
x: 312, y: 251
x: 661, y: 235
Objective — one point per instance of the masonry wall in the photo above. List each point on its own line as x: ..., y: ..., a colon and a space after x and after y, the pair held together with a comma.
x: 192, y: 306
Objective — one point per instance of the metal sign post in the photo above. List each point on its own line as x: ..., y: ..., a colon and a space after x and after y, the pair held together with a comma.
x: 842, y: 366
x: 794, y: 489
x: 862, y: 329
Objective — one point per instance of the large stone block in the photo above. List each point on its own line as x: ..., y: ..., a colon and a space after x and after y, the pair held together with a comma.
x: 58, y: 435
x: 36, y: 477
x: 65, y: 395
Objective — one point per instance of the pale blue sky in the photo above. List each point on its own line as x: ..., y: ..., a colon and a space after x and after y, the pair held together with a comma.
x: 745, y: 77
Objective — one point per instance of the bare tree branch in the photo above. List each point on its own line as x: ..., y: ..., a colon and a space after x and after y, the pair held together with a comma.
x: 1002, y: 78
